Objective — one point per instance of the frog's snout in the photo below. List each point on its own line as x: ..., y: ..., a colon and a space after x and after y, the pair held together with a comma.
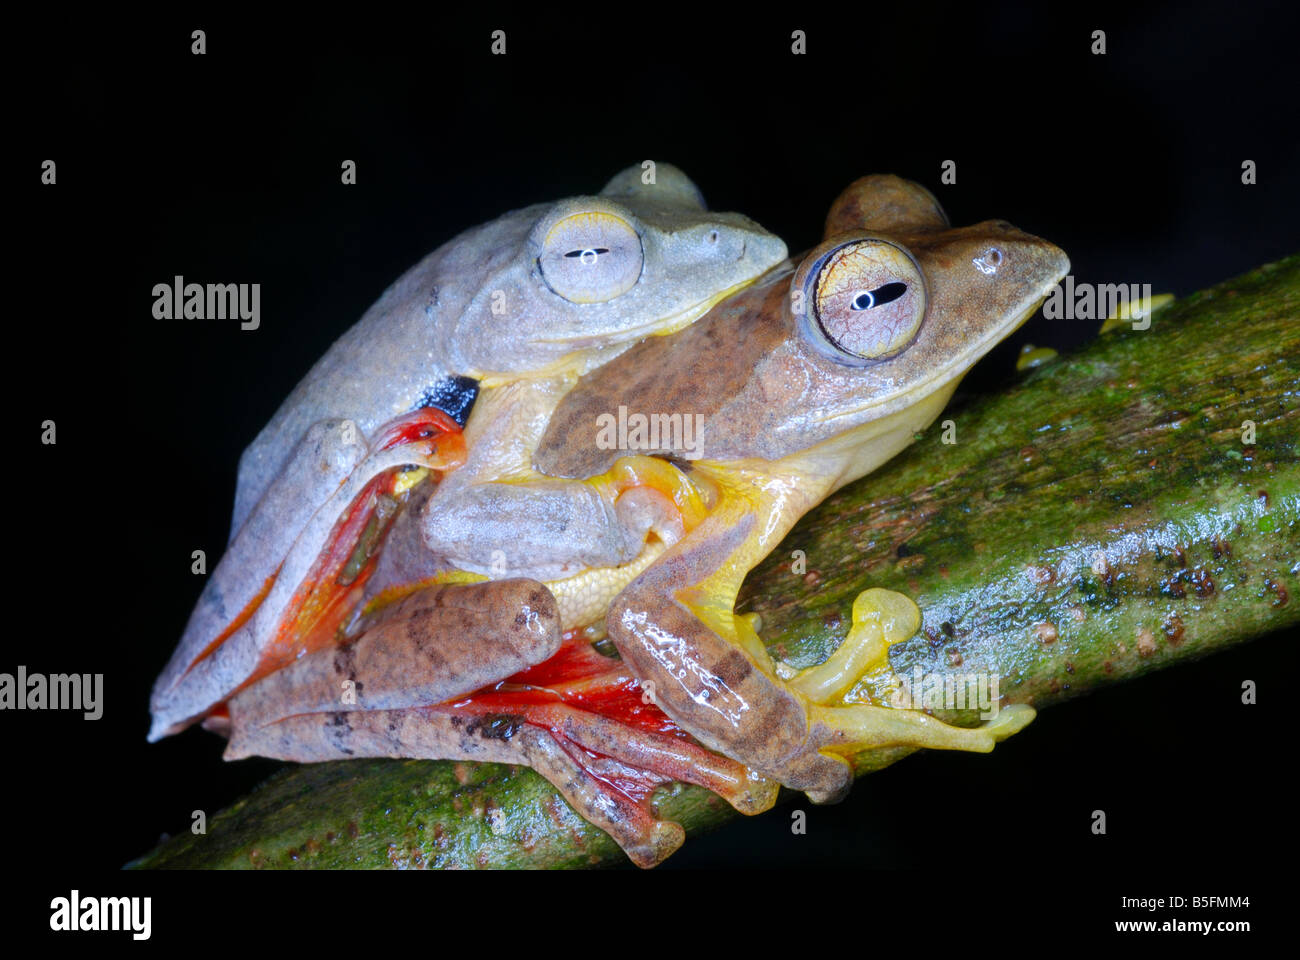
x: 1037, y: 262
x: 765, y: 249
x: 719, y: 242
x: 1045, y: 263
x: 1012, y: 254
x: 737, y: 238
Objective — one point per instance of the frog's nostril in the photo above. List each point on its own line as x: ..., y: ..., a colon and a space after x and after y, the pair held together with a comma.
x: 713, y: 236
x: 988, y: 262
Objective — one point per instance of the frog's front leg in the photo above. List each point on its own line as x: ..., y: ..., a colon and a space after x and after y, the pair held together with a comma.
x: 545, y: 529
x: 675, y: 624
x: 480, y: 672
x: 549, y: 529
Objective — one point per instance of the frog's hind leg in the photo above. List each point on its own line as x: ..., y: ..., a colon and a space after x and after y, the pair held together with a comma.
x: 441, y: 733
x: 605, y: 770
x: 481, y: 672
x: 263, y: 606
x: 585, y: 784
x: 436, y: 644
x: 598, y: 715
x: 646, y: 745
x: 675, y: 624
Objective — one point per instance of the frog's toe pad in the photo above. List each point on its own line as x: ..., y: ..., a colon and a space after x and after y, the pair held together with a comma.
x: 1010, y: 720
x: 655, y: 844
x: 880, y: 618
x: 830, y: 795
x: 756, y: 794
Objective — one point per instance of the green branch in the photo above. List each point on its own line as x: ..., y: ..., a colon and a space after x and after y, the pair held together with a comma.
x: 1101, y: 519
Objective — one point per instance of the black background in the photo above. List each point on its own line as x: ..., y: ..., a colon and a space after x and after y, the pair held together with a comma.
x: 225, y: 168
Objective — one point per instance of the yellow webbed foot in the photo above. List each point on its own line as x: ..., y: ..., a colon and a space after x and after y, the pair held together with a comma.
x: 882, y: 618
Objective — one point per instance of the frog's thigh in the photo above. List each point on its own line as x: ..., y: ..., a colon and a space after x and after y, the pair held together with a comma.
x: 438, y: 643
x: 881, y: 618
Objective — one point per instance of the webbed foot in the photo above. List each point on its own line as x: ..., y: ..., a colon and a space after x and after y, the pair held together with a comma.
x: 882, y: 618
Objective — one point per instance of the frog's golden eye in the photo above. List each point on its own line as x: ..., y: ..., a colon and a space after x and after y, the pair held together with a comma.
x: 868, y: 299
x: 591, y: 257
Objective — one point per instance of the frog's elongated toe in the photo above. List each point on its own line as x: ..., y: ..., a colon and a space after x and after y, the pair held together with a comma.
x: 880, y: 618
x: 853, y: 729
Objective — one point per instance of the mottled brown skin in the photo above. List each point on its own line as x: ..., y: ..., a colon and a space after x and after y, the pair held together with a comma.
x: 778, y: 410
x: 761, y: 721
x: 439, y: 646
x: 648, y: 377
x: 417, y: 653
x: 434, y: 732
x: 411, y: 674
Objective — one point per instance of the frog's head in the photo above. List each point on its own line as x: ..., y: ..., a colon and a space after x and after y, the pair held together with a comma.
x: 578, y: 280
x: 885, y: 324
x: 847, y: 355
